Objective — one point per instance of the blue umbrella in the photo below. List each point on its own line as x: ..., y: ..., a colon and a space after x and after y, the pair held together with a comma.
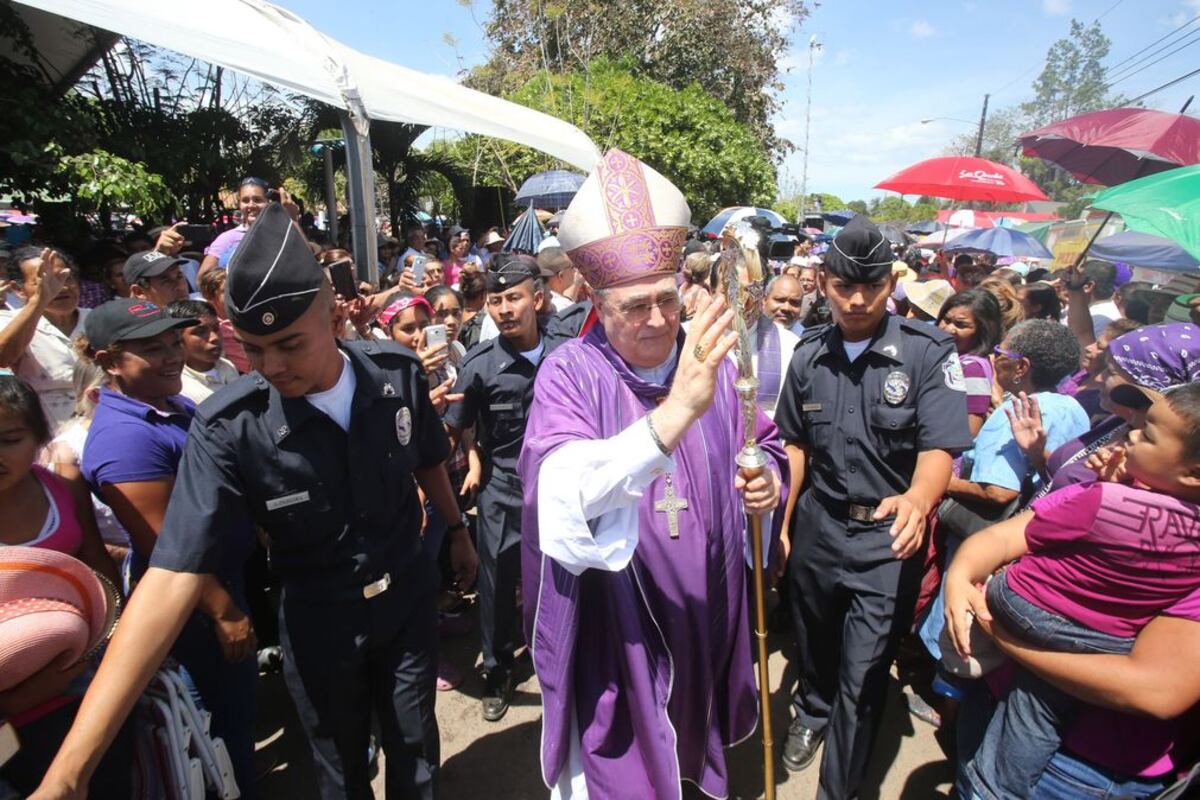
x: 840, y: 217
x: 735, y: 213
x: 552, y: 189
x: 1144, y: 250
x: 527, y: 234
x: 1001, y: 242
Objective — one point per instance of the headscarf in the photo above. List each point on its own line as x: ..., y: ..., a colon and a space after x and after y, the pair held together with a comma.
x: 403, y: 303
x: 1159, y: 356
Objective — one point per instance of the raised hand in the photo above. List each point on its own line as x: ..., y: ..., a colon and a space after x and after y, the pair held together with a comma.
x: 170, y: 241
x: 1025, y: 417
x: 52, y: 275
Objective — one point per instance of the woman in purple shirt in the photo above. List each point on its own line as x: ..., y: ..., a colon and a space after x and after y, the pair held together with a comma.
x: 973, y: 319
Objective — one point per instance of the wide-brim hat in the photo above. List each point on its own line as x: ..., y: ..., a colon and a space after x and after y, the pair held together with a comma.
x: 53, y: 609
x: 929, y: 296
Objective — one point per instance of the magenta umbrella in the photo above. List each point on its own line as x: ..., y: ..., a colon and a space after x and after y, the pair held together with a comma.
x: 1117, y: 145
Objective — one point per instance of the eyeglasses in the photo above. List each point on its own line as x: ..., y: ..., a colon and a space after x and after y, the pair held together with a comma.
x: 640, y: 312
x: 1000, y: 351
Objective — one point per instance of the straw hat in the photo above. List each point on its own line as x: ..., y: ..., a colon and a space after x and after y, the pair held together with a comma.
x: 929, y: 296
x: 53, y: 608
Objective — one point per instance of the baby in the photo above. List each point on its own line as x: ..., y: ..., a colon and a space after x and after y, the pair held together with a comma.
x: 1094, y: 564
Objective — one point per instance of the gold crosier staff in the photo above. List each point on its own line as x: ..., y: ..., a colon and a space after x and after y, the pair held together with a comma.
x: 740, y: 249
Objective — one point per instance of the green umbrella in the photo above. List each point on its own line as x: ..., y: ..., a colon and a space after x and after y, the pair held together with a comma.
x: 1166, y: 204
x: 1037, y: 230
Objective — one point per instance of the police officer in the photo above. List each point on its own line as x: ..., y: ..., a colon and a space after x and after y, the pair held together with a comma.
x: 323, y: 446
x: 872, y: 409
x: 496, y: 385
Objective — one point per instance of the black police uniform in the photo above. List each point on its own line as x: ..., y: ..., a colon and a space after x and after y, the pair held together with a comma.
x: 358, y: 621
x: 496, y: 383
x: 864, y: 424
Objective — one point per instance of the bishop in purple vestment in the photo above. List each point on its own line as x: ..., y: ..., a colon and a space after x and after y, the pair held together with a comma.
x: 634, y: 528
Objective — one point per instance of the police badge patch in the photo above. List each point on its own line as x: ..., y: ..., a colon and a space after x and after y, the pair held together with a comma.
x: 895, y: 387
x: 404, y: 426
x: 953, y: 373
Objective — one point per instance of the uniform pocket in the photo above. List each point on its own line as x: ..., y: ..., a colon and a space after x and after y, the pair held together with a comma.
x: 301, y: 517
x: 818, y: 425
x: 895, y: 427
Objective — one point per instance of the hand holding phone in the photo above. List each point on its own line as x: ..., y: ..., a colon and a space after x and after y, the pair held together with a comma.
x: 435, y: 335
x: 341, y: 274
x: 418, y: 269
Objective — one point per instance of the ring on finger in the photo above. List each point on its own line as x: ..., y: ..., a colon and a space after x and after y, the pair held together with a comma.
x: 699, y: 353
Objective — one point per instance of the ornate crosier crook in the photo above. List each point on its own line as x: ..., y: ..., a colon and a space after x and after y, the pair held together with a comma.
x: 741, y: 250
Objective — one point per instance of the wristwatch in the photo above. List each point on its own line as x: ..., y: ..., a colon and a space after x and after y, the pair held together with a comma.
x: 461, y: 525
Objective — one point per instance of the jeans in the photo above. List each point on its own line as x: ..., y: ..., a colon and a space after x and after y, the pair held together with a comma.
x: 1026, y: 729
x: 1066, y: 777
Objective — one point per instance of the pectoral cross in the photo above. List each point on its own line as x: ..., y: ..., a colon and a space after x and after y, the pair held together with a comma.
x: 671, y: 506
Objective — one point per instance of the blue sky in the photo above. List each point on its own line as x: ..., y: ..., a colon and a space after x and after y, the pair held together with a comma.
x: 882, y: 67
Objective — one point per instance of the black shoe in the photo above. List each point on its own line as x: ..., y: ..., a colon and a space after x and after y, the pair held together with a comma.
x: 801, y: 746
x: 497, y: 694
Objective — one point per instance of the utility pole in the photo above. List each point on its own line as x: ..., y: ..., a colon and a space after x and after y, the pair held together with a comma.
x: 982, y: 120
x: 813, y: 47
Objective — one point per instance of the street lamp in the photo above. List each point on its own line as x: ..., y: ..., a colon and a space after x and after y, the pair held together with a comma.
x: 978, y: 134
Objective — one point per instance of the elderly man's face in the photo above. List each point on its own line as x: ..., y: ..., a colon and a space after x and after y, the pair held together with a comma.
x: 783, y: 300
x: 808, y: 280
x: 641, y: 319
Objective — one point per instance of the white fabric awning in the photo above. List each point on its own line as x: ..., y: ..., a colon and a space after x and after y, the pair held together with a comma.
x: 275, y: 46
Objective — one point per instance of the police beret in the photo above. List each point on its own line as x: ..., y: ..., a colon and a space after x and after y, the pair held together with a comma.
x: 273, y: 276
x: 508, y: 269
x: 859, y: 253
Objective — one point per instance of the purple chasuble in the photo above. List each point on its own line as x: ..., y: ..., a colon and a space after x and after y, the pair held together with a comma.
x: 654, y: 659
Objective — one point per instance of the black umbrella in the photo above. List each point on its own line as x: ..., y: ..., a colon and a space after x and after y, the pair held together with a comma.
x: 892, y: 233
x: 527, y: 234
x: 924, y: 228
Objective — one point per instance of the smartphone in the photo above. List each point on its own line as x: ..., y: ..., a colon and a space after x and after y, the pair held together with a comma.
x: 418, y: 269
x: 435, y: 335
x: 341, y: 272
x: 198, y: 235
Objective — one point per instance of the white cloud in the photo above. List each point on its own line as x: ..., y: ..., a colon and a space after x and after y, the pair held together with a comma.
x: 921, y: 29
x: 1184, y: 15
x: 1056, y: 8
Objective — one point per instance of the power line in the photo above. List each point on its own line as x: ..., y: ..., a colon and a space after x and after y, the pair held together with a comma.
x: 1166, y: 85
x: 1128, y: 75
x: 1110, y: 8
x: 1120, y: 74
x: 1156, y: 41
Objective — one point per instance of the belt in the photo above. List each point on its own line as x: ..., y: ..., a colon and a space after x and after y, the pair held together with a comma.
x: 378, y: 587
x: 860, y: 513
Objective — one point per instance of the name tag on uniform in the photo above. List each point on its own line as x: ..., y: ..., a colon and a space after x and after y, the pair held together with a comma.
x: 811, y: 407
x: 502, y: 407
x: 287, y: 500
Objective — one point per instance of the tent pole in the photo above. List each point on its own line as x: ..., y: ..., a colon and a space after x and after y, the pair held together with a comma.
x: 360, y: 196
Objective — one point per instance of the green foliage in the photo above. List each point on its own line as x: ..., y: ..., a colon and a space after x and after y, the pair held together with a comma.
x: 858, y: 206
x: 732, y: 48
x: 687, y: 135
x: 1072, y: 81
x: 102, y: 179
x: 897, y: 209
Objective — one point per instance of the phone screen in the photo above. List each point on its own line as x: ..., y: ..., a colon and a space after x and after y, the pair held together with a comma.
x: 418, y: 269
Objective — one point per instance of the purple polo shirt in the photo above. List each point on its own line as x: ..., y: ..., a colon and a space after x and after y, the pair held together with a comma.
x: 131, y: 442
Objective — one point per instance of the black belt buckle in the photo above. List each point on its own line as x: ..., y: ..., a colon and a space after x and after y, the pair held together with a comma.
x: 861, y: 513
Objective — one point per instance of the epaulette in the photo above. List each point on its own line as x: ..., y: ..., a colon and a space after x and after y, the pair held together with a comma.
x: 813, y: 333
x: 233, y: 397
x: 383, y: 352
x: 925, y: 329
x: 480, y: 349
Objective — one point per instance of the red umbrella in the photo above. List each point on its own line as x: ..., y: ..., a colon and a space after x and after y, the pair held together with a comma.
x: 1117, y: 145
x: 964, y: 178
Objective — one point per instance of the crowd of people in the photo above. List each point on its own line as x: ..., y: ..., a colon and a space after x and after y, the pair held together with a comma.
x: 985, y: 476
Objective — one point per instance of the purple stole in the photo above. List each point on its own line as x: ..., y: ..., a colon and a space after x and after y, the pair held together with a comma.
x: 770, y: 377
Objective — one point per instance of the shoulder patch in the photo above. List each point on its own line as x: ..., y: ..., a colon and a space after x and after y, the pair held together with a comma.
x: 952, y: 373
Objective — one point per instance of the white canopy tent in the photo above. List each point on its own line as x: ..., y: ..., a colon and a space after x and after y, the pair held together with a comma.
x: 275, y: 46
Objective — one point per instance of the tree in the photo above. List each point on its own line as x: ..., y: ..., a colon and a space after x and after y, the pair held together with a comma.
x: 1072, y: 81
x: 732, y: 49
x: 687, y: 135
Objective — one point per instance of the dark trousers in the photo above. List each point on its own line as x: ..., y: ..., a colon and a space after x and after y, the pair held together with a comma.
x: 500, y: 506
x: 346, y: 661
x: 1026, y: 730
x: 851, y: 602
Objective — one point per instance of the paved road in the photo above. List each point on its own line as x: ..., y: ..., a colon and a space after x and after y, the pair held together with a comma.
x: 499, y: 760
